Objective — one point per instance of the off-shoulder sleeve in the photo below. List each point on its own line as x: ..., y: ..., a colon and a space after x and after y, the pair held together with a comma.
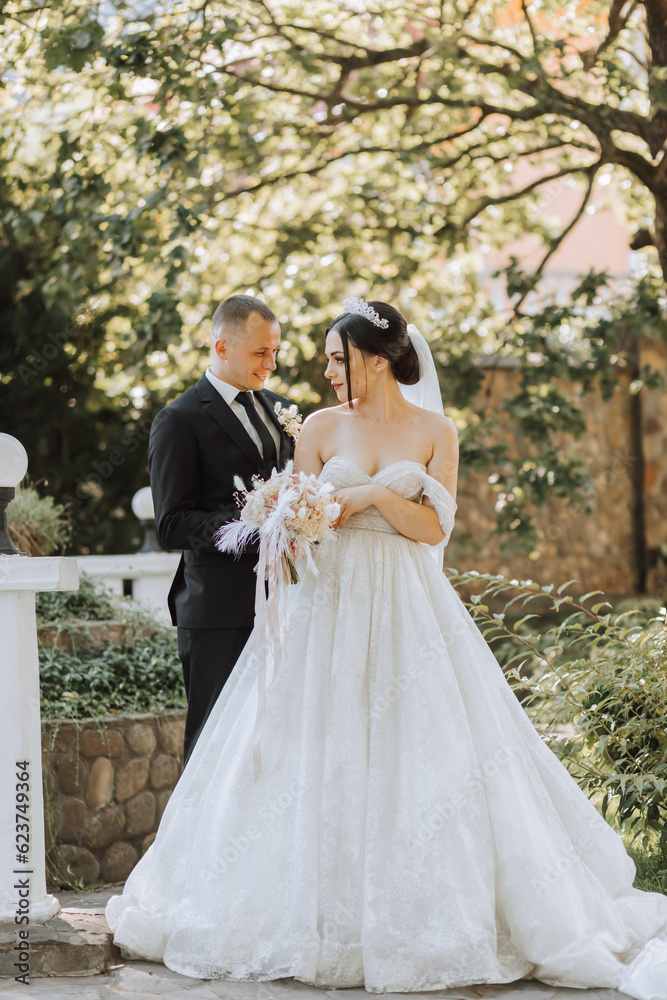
x: 444, y: 503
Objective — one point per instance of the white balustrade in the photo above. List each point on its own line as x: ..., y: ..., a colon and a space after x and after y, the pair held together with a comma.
x: 22, y: 868
x: 149, y: 575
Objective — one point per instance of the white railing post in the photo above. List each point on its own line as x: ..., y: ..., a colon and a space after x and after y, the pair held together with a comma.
x: 23, y: 895
x: 23, y: 872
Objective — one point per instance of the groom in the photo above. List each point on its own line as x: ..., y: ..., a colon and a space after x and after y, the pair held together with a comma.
x: 223, y: 426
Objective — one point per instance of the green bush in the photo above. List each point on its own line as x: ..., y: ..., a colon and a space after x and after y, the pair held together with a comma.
x: 37, y: 525
x: 91, y: 602
x: 604, y: 673
x: 142, y: 673
x: 651, y: 865
x: 616, y: 696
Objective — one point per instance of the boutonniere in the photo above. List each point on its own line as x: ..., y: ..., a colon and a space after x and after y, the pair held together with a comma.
x: 289, y: 419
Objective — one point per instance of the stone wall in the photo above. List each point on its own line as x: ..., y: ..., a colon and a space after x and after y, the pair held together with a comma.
x: 106, y: 784
x: 654, y: 486
x: 617, y: 547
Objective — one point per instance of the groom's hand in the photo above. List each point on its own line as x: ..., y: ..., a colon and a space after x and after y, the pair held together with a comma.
x: 353, y: 499
x: 203, y: 538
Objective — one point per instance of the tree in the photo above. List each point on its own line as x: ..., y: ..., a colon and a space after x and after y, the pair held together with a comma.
x: 444, y: 86
x: 162, y: 158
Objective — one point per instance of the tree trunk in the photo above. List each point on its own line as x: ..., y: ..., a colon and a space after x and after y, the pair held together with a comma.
x: 656, y: 22
x: 661, y: 229
x: 656, y: 26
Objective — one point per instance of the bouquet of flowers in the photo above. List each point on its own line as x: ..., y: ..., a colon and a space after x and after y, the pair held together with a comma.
x: 289, y: 514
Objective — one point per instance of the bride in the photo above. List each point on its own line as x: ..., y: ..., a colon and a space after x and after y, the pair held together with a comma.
x: 416, y: 833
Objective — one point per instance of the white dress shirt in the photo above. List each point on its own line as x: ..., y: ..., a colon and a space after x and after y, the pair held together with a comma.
x: 229, y: 394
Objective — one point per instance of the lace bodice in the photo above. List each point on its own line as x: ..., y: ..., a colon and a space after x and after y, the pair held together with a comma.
x: 408, y: 479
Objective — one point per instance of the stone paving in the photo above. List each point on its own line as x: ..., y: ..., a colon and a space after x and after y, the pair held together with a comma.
x: 148, y: 981
x: 145, y: 981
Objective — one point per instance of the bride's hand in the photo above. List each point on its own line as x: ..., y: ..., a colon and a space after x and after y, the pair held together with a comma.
x: 353, y: 499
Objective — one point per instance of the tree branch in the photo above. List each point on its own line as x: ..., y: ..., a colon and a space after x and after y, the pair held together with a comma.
x: 375, y: 57
x: 601, y: 120
x: 618, y: 18
x: 512, y: 196
x: 531, y: 27
x: 635, y: 163
x: 642, y: 238
x: 505, y: 69
x: 529, y: 113
x: 317, y: 168
x: 656, y: 19
x: 591, y: 171
x: 499, y: 45
x: 22, y: 13
x: 643, y: 65
x: 534, y: 151
x: 371, y: 57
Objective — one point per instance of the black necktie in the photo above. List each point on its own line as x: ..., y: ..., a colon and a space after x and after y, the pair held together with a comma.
x: 268, y: 444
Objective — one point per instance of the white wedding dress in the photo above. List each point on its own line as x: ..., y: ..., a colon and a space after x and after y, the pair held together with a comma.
x: 419, y: 833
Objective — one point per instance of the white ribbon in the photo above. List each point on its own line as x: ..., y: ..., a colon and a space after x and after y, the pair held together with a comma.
x: 269, y: 627
x: 275, y: 542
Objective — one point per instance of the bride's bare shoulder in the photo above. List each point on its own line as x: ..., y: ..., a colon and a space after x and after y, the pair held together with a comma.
x: 438, y: 425
x: 318, y: 437
x: 444, y: 424
x: 328, y: 416
x: 320, y: 427
x: 444, y: 461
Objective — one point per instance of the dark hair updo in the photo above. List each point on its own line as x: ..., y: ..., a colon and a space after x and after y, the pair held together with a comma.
x: 391, y: 342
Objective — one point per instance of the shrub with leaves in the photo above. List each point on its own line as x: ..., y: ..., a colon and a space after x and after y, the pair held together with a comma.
x: 140, y: 673
x: 37, y: 524
x: 616, y: 695
x: 91, y: 602
x: 604, y: 672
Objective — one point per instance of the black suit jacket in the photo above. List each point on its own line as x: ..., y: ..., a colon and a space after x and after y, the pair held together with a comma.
x: 197, y: 445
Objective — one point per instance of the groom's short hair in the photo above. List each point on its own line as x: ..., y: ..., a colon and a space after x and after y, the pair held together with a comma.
x: 232, y: 315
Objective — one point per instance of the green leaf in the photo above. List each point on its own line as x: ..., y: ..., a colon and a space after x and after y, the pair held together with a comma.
x: 591, y: 593
x: 524, y: 619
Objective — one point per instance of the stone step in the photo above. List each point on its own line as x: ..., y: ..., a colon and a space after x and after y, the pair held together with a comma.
x: 76, y: 942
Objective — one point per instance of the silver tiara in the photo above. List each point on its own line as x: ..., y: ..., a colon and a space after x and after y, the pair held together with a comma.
x: 362, y: 308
